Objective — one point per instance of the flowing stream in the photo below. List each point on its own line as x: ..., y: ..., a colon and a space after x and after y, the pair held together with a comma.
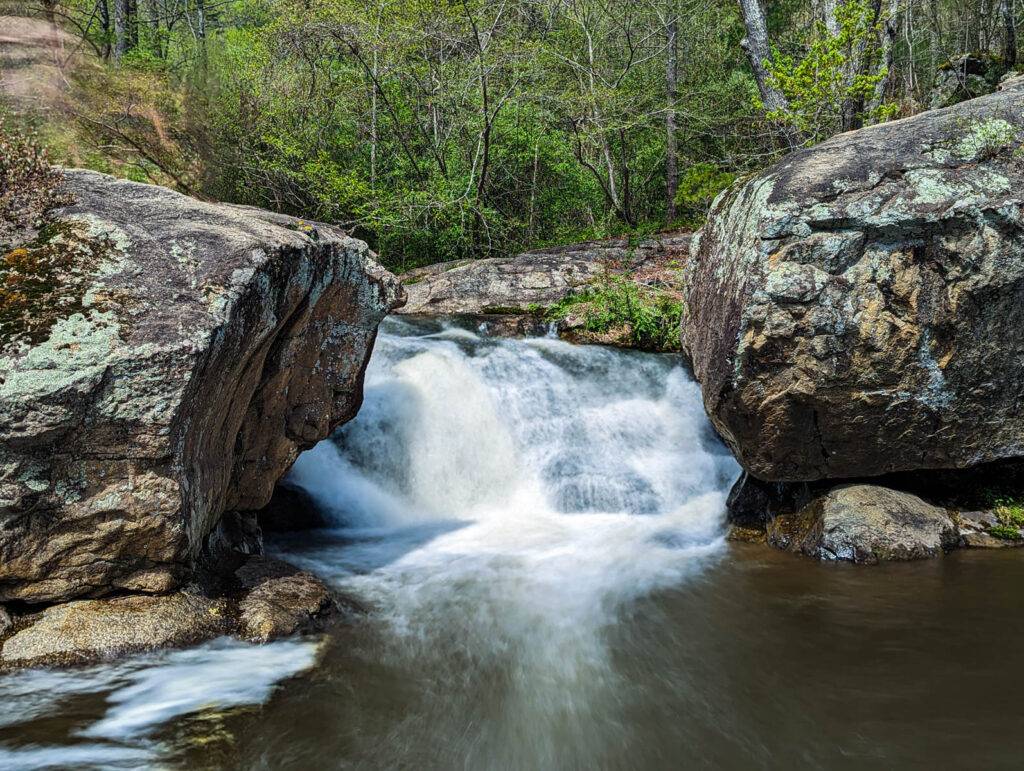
x: 535, y: 531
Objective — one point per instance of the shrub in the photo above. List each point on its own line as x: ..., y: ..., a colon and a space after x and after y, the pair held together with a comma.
x: 29, y: 186
x: 647, y: 316
x: 699, y: 186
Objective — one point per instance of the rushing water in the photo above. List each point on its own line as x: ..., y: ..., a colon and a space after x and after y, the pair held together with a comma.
x: 535, y: 530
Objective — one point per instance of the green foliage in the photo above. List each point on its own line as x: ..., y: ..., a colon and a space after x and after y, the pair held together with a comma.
x: 698, y: 187
x: 828, y: 75
x: 1005, y: 532
x: 646, y: 316
x: 1007, y: 506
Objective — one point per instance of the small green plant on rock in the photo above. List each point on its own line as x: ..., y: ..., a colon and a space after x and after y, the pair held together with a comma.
x: 1009, y: 510
x: 645, y: 316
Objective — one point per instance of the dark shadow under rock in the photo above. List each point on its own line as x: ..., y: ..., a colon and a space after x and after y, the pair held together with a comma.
x: 909, y: 515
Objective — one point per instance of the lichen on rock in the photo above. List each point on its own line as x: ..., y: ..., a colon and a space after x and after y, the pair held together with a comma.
x: 203, y: 348
x: 854, y: 310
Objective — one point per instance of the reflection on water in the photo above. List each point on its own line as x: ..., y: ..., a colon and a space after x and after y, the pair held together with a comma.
x: 537, y: 532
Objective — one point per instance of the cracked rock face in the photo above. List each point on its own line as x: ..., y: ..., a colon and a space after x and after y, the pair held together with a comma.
x: 856, y: 309
x: 205, y: 346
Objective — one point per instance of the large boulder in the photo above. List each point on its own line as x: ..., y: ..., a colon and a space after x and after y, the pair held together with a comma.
x: 856, y: 309
x: 522, y: 296
x: 163, y: 361
x: 512, y: 285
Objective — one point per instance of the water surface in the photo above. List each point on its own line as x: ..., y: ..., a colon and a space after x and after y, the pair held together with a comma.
x: 536, y: 530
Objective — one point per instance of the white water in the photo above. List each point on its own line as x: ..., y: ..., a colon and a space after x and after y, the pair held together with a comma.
x: 498, y: 505
x: 501, y: 504
x: 139, y: 695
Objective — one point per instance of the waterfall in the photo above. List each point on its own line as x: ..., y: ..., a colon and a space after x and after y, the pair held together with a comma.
x: 498, y: 504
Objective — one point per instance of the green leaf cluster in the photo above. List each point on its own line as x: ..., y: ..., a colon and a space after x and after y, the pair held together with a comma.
x: 647, y: 316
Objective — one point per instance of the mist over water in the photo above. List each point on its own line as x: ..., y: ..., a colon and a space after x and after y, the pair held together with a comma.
x: 504, y: 502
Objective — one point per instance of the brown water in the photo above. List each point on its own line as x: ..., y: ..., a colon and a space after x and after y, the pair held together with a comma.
x: 536, y: 530
x: 764, y: 661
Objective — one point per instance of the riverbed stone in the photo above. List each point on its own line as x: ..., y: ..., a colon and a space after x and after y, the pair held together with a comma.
x: 866, y: 524
x: 511, y: 296
x: 188, y: 353
x: 89, y: 630
x: 280, y: 599
x: 855, y: 310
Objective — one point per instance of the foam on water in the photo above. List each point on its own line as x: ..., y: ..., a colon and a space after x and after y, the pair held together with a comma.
x: 501, y: 503
x: 140, y: 694
x: 498, y: 505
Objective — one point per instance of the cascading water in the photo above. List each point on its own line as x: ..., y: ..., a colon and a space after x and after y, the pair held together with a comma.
x: 500, y: 505
x: 535, y: 530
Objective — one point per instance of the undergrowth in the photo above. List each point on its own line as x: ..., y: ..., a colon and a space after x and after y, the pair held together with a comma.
x: 1008, y: 508
x: 646, y: 316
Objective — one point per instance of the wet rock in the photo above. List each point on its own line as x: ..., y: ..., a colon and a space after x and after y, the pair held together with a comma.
x: 855, y: 310
x: 280, y: 599
x: 89, y: 630
x: 865, y: 524
x: 5, y: 622
x: 192, y: 351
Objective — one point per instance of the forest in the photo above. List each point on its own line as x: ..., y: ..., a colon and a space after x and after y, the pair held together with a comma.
x: 465, y: 128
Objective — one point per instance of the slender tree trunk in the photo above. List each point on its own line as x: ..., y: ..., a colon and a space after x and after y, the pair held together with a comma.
x: 104, y: 11
x: 756, y: 46
x: 671, y: 147
x: 888, y: 40
x: 201, y: 24
x: 133, y: 23
x: 121, y: 32
x: 373, y: 125
x: 1009, y: 35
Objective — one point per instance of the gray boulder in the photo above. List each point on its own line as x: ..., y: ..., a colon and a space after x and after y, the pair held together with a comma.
x: 537, y: 278
x: 171, y: 360
x: 855, y: 310
x: 865, y: 524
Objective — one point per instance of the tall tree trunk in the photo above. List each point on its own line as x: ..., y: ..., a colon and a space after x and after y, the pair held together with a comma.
x: 831, y: 17
x: 373, y: 125
x: 888, y: 40
x: 122, y: 22
x: 671, y: 147
x: 104, y: 12
x: 201, y: 24
x: 133, y: 24
x: 1009, y: 36
x: 852, y: 109
x: 756, y: 46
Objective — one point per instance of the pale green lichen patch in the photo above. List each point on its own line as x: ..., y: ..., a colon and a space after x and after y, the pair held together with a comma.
x: 984, y: 138
x: 49, y: 279
x: 973, y: 138
x: 75, y: 355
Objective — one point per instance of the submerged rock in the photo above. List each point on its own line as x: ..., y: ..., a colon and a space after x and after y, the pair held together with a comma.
x: 855, y: 310
x: 280, y: 599
x: 188, y: 353
x: 865, y: 524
